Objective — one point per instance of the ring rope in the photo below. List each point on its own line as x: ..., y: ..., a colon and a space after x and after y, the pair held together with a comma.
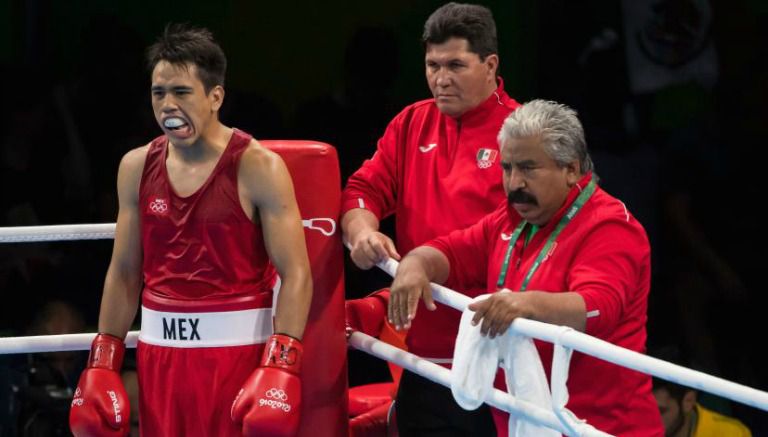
x: 609, y: 352
x: 105, y: 231
x: 441, y: 375
x: 30, y: 234
x: 55, y: 343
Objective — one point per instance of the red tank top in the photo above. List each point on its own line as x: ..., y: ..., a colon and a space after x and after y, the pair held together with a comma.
x: 201, y: 252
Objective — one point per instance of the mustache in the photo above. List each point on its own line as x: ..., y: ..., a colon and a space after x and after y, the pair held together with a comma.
x: 519, y: 196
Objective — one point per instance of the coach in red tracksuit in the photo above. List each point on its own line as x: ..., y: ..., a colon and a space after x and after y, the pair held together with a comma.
x: 436, y: 168
x: 560, y: 250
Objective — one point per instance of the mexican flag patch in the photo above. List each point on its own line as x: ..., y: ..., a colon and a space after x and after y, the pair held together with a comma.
x: 486, y: 157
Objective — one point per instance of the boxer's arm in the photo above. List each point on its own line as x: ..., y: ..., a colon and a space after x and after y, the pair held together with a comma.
x: 100, y: 404
x: 122, y: 285
x: 271, y: 191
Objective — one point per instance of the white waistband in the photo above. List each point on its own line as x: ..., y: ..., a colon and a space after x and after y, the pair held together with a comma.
x: 228, y: 328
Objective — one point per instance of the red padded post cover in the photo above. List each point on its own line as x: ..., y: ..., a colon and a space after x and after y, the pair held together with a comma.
x: 314, y: 168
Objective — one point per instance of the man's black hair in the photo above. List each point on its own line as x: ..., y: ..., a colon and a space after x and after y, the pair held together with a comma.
x: 183, y: 45
x: 460, y: 20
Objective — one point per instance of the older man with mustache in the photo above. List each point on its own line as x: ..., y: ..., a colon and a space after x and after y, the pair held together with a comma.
x: 560, y: 250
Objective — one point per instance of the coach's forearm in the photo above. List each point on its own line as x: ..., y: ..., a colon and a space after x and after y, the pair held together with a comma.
x: 566, y: 309
x: 433, y: 262
x: 358, y: 220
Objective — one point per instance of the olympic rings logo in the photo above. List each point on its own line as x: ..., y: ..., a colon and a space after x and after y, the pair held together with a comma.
x: 484, y: 164
x: 279, y: 400
x: 278, y: 394
x: 158, y: 206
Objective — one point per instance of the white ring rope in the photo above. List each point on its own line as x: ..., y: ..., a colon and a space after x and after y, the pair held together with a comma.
x: 441, y: 375
x: 29, y: 234
x: 609, y: 352
x: 105, y: 231
x: 55, y: 343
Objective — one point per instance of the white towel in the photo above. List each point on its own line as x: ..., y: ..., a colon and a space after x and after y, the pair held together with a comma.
x: 475, y: 360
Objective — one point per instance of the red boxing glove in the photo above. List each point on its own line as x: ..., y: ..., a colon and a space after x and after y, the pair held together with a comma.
x: 100, y: 406
x: 269, y: 404
x: 367, y: 315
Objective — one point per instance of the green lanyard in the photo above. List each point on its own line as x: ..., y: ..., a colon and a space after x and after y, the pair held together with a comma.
x: 575, y: 207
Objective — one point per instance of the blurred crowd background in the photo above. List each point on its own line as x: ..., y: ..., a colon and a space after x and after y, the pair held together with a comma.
x: 672, y: 94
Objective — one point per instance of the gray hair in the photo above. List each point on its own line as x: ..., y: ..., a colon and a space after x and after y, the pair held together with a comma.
x: 558, y: 127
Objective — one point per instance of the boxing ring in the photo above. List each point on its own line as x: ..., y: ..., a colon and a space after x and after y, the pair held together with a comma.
x: 564, y: 339
x: 315, y: 165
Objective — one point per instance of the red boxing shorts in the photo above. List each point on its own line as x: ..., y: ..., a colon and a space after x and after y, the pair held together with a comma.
x: 192, y: 365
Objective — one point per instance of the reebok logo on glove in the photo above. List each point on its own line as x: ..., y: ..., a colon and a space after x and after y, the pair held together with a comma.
x: 278, y: 399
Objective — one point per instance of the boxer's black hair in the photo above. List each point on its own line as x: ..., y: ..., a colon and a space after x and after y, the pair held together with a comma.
x: 182, y: 45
